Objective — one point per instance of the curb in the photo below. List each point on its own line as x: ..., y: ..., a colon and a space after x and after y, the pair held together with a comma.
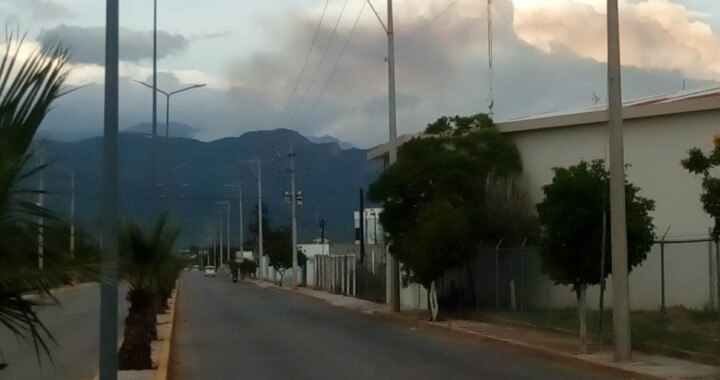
x: 164, y: 361
x: 543, y: 351
x: 646, y: 348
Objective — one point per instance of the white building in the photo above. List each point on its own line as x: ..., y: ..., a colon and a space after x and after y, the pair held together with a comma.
x: 374, y: 232
x: 659, y: 131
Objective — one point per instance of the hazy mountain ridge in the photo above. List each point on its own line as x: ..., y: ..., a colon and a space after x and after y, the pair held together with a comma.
x: 193, y: 176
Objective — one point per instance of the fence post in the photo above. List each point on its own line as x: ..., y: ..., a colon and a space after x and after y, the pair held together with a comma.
x: 711, y: 275
x: 354, y: 287
x: 342, y: 274
x: 497, y: 276
x: 522, y: 275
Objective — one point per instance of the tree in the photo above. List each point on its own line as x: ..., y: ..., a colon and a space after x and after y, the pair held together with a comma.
x: 435, y: 192
x: 147, y: 264
x: 28, y: 90
x: 699, y: 164
x: 571, y: 217
x: 279, y: 251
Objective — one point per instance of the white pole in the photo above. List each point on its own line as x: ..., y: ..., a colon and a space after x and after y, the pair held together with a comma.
x: 293, y: 201
x: 354, y: 274
x: 621, y: 302
x: 343, y: 276
x: 220, y: 237
x: 228, y: 233
x: 260, y: 216
x: 240, y: 210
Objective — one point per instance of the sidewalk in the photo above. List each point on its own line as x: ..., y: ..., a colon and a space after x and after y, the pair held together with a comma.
x: 544, y: 342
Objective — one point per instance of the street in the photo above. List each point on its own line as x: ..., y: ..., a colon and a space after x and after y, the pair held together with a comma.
x: 75, y: 326
x: 233, y: 331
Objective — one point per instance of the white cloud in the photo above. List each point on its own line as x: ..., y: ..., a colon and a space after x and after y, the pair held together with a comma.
x: 655, y: 34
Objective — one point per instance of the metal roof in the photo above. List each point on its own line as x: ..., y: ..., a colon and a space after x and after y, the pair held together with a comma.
x: 655, y: 99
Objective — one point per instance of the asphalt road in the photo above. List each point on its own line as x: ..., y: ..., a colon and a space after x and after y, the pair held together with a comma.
x: 240, y: 331
x: 75, y: 325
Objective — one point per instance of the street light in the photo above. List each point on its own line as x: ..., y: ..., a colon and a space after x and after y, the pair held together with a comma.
x: 167, y: 100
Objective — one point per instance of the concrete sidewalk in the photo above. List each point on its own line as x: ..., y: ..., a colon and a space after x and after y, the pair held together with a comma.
x: 545, y: 342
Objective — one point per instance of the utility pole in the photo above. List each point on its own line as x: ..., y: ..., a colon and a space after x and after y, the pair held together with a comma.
x: 109, y: 287
x: 41, y: 220
x: 392, y: 264
x: 228, y: 233
x: 240, y: 210
x: 220, y: 236
x: 72, y: 214
x: 293, y: 203
x: 214, y: 247
x: 260, y: 215
x: 618, y: 230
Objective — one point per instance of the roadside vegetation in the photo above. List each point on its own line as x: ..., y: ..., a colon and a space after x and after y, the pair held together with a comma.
x: 31, y: 81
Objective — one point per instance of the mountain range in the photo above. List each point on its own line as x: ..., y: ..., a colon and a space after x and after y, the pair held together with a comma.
x: 193, y: 176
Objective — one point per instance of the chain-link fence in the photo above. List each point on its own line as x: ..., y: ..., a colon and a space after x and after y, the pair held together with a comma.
x: 673, y: 294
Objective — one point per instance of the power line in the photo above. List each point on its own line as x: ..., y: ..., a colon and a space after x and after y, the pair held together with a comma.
x: 426, y: 26
x: 322, y: 60
x: 337, y: 63
x: 304, y: 66
x: 210, y: 197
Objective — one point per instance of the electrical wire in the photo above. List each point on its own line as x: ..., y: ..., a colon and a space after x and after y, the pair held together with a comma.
x: 337, y: 63
x: 304, y: 66
x: 322, y: 60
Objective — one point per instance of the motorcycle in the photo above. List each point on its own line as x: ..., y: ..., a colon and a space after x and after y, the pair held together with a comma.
x: 235, y: 278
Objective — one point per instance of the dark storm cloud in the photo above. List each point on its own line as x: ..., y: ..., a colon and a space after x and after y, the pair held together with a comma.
x: 87, y: 44
x: 41, y: 9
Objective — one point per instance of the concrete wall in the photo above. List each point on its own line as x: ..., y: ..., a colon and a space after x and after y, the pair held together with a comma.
x: 653, y: 148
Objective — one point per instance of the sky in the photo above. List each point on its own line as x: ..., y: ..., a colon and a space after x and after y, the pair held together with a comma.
x: 549, y: 55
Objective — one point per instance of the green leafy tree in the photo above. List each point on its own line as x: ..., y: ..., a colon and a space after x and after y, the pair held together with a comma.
x: 571, y: 217
x: 442, y: 176
x: 148, y: 264
x: 700, y: 164
x: 279, y: 251
x: 28, y: 89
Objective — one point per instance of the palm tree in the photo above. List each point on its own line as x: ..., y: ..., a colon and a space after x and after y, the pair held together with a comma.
x: 147, y: 264
x: 28, y: 88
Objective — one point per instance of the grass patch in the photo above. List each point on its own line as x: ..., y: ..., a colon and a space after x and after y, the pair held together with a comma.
x: 680, y: 328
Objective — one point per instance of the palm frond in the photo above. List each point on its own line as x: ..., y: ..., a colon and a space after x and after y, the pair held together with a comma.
x: 29, y: 85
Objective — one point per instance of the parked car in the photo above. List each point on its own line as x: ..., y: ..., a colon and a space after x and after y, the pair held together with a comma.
x: 209, y: 271
x: 195, y: 268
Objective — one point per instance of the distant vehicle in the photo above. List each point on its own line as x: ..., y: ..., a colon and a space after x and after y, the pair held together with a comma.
x: 195, y: 268
x: 209, y: 271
